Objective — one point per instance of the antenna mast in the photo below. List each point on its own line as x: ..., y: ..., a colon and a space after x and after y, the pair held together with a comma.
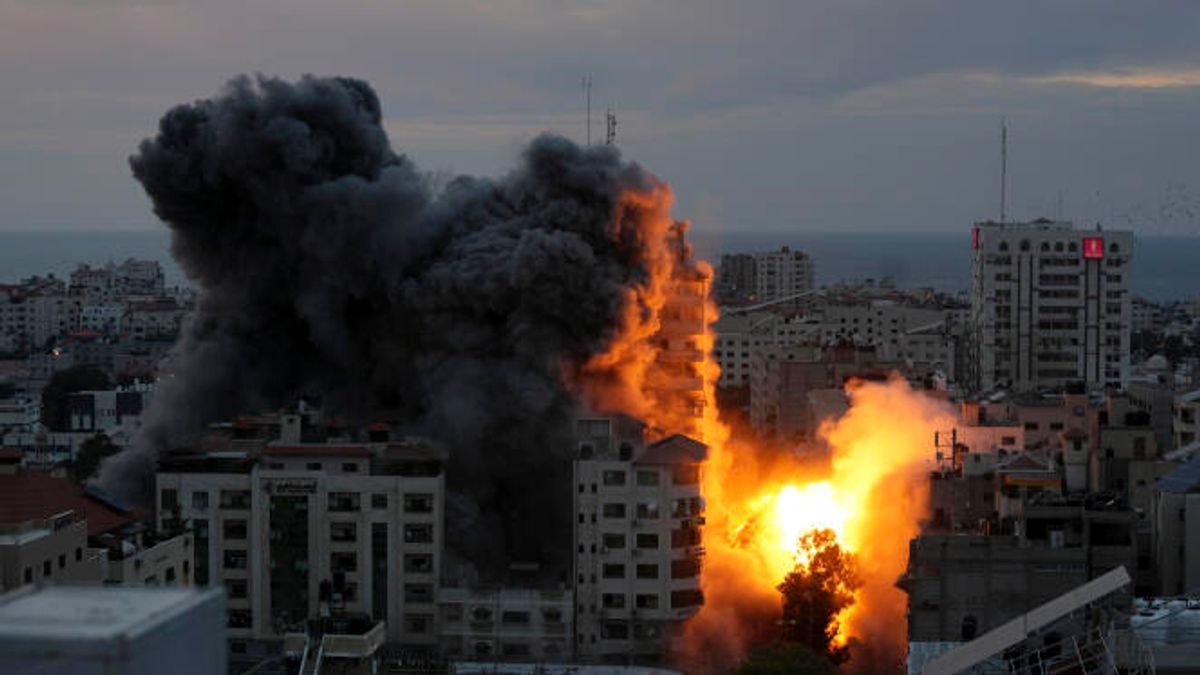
x: 1003, y: 168
x: 610, y: 127
x: 586, y: 84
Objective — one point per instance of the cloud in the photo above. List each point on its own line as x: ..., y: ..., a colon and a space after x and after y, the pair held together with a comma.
x: 1128, y: 78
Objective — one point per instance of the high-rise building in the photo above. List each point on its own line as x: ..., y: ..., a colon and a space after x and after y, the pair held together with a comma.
x: 781, y: 273
x: 1050, y: 306
x: 295, y: 530
x: 639, y: 515
x: 736, y: 278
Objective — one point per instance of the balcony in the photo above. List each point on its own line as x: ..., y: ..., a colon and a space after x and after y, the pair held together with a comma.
x: 343, y: 645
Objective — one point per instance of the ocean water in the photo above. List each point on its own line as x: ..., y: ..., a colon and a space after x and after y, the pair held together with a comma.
x: 1164, y: 268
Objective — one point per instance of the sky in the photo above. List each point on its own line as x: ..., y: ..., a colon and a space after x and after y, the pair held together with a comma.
x: 771, y: 115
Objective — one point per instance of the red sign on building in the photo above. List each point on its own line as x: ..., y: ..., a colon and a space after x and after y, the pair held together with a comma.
x: 975, y: 238
x: 1093, y: 248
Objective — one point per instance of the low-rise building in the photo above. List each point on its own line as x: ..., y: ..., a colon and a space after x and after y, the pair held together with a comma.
x: 1176, y: 517
x: 506, y: 624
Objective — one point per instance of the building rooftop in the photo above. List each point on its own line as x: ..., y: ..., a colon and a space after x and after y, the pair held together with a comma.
x: 1183, y: 480
x: 316, y: 450
x: 676, y: 449
x: 88, y: 613
x: 33, y: 496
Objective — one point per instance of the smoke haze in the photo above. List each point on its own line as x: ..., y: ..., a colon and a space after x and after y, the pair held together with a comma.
x: 327, y: 264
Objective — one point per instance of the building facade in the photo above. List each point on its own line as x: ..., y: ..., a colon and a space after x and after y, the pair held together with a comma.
x: 782, y: 273
x: 638, y: 541
x: 297, y: 530
x: 1050, y: 306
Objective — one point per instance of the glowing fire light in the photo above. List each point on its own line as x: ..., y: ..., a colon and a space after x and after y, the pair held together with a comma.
x: 760, y: 501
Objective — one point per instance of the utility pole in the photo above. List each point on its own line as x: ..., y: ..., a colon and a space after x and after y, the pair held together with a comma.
x: 586, y: 85
x: 610, y: 127
x: 1003, y: 168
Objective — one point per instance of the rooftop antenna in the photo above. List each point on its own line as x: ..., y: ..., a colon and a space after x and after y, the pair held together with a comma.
x: 610, y: 127
x: 1003, y: 168
x: 586, y: 84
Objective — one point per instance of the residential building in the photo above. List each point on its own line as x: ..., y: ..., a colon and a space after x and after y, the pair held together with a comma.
x: 94, y: 630
x: 1146, y: 316
x: 1176, y: 515
x: 781, y: 379
x: 103, y: 318
x: 508, y: 624
x: 637, y: 538
x: 297, y: 529
x: 109, y: 410
x: 737, y: 279
x: 1187, y: 418
x: 55, y: 530
x: 1050, y: 306
x: 782, y: 273
x: 20, y: 413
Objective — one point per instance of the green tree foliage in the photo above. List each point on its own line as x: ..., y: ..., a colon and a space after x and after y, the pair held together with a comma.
x: 821, y: 585
x: 784, y: 659
x: 91, y: 453
x: 65, y: 382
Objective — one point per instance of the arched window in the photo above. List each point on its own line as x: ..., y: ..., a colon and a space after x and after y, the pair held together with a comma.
x: 1045, y: 246
x: 1024, y: 244
x: 1058, y: 246
x: 1072, y: 247
x: 1113, y: 247
x: 1004, y: 246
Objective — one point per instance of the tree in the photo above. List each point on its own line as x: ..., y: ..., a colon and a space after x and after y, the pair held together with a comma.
x: 55, y: 415
x: 784, y: 659
x: 91, y: 453
x: 816, y: 591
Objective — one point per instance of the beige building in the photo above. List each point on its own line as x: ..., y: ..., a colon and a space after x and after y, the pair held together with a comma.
x: 1176, y: 514
x: 1050, y: 306
x: 638, y: 540
x: 294, y: 530
x: 779, y: 274
x: 1186, y: 423
x: 509, y: 624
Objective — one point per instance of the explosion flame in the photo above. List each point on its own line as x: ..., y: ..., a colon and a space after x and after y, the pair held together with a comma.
x: 865, y: 483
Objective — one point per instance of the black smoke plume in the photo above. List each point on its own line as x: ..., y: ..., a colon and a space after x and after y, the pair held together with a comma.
x: 327, y: 264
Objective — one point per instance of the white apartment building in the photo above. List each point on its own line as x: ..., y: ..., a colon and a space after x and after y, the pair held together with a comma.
x: 510, y: 624
x: 103, y: 318
x: 639, y: 517
x: 1050, y: 306
x: 781, y: 273
x: 296, y: 530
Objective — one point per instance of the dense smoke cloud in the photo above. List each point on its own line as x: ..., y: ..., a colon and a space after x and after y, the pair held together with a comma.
x: 329, y: 265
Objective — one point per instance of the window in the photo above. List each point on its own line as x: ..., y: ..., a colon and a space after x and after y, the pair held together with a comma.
x: 612, y: 601
x: 646, y: 601
x: 235, y: 499
x: 235, y: 560
x: 686, y: 475
x: 613, y: 571
x: 1008, y: 440
x: 420, y: 533
x: 1031, y: 426
x: 234, y: 529
x: 685, y: 569
x: 647, y: 571
x: 29, y: 575
x: 349, y: 467
x: 235, y: 588
x: 419, y: 593
x: 240, y: 618
x: 614, y: 630
x: 46, y: 568
x: 313, y: 466
x: 688, y: 598
x: 418, y: 563
x: 62, y: 560
x: 614, y: 477
x: 614, y: 541
x: 343, y: 561
x: 647, y: 510
x: 343, y: 532
x: 199, y: 500
x: 613, y: 510
x: 647, y: 478
x: 418, y: 503
x: 514, y: 617
x: 417, y: 623
x: 170, y: 499
x: 343, y: 502
x: 647, y: 540
x: 379, y: 500
x: 78, y: 554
